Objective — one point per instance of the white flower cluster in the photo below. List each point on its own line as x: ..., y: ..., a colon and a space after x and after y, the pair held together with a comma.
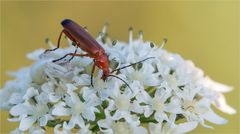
x: 167, y: 94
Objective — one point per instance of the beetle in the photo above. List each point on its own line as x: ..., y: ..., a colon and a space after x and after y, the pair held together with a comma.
x: 82, y: 39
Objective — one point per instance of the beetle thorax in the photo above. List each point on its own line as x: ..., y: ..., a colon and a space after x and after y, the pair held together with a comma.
x: 102, y: 62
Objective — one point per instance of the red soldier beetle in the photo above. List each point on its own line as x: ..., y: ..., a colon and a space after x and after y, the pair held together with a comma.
x: 82, y: 39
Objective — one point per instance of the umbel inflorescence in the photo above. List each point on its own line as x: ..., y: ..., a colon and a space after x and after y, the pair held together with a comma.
x: 167, y: 94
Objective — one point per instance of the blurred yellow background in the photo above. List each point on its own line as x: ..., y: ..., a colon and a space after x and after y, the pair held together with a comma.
x: 206, y: 32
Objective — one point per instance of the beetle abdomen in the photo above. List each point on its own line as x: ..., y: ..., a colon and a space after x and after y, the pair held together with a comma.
x: 83, y: 39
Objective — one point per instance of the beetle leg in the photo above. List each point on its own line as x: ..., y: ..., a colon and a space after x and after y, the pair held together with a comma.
x: 72, y: 54
x: 58, y: 45
x: 93, y: 69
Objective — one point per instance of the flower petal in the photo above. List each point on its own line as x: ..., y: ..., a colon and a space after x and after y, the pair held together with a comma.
x: 185, y: 127
x: 117, y: 115
x: 59, y: 110
x: 89, y: 114
x: 30, y: 93
x: 147, y: 111
x: 214, y: 118
x: 216, y: 86
x: 75, y: 120
x: 21, y: 109
x: 140, y: 130
x: 16, y: 98
x: 155, y: 128
x: 53, y: 97
x: 43, y: 121
x: 160, y: 117
x: 26, y: 123
x: 105, y: 123
x: 222, y: 105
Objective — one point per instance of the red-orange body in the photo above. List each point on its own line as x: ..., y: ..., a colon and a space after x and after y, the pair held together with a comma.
x: 88, y: 44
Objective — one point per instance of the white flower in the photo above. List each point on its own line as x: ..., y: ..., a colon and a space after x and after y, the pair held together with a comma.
x: 109, y: 126
x: 144, y: 75
x: 158, y: 104
x: 101, y: 88
x: 123, y: 106
x: 171, y: 127
x: 198, y: 110
x: 29, y: 114
x: 77, y: 109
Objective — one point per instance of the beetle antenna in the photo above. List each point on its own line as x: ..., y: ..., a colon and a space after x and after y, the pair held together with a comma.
x: 132, y: 64
x: 122, y: 81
